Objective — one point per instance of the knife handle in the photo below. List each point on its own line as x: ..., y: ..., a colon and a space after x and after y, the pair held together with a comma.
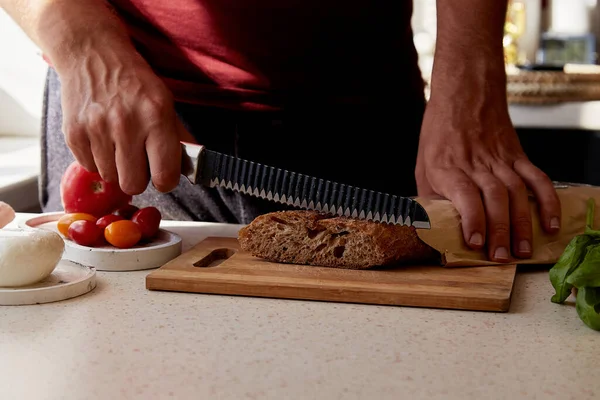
x: 191, y: 155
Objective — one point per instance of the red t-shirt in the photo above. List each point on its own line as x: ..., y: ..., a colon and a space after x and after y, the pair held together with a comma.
x: 262, y: 54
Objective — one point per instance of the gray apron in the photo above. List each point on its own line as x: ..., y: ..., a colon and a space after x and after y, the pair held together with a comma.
x: 372, y: 146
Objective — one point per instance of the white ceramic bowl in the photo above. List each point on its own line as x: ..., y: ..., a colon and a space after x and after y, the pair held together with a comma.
x: 162, y: 249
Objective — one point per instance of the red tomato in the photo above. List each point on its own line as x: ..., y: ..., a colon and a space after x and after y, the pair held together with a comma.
x: 122, y: 234
x: 67, y: 219
x: 85, y: 233
x: 107, y: 220
x: 148, y: 220
x: 85, y: 191
x: 126, y: 211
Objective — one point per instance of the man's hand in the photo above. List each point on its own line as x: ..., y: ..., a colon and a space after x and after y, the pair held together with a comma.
x: 471, y: 155
x: 118, y: 119
x: 469, y: 151
x: 118, y: 116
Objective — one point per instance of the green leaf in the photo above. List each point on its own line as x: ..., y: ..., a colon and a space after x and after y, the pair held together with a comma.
x: 588, y: 272
x: 566, y: 264
x: 589, y: 219
x: 587, y: 306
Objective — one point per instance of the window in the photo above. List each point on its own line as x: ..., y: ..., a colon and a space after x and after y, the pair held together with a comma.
x: 22, y: 77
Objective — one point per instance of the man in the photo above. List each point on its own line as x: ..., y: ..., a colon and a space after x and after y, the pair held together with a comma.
x: 329, y: 88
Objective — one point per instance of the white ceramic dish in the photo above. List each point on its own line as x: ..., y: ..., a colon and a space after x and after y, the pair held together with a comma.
x: 166, y: 246
x: 68, y: 280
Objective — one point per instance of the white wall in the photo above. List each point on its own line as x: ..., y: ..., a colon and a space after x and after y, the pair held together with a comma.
x: 424, y: 29
x: 22, y: 74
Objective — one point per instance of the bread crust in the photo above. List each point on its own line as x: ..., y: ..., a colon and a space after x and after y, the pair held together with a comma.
x: 313, y: 238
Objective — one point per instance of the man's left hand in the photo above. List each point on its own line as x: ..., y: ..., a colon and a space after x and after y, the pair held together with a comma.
x: 470, y: 154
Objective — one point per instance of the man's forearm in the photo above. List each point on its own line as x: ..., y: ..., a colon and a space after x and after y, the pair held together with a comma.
x: 469, y: 46
x: 63, y: 29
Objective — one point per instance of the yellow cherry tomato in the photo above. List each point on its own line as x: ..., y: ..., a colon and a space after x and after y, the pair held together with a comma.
x: 66, y: 220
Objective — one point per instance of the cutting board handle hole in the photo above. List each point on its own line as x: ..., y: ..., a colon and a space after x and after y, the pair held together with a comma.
x: 214, y: 258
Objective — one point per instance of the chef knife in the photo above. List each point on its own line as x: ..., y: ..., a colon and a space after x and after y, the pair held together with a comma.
x: 213, y: 169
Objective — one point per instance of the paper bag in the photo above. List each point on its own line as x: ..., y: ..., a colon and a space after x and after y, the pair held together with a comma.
x: 446, y: 234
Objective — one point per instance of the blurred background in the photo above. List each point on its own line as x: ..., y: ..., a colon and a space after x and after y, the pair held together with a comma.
x: 22, y: 73
x: 551, y: 49
x: 549, y: 32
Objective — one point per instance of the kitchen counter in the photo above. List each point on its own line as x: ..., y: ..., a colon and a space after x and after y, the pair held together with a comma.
x: 122, y: 341
x: 570, y: 115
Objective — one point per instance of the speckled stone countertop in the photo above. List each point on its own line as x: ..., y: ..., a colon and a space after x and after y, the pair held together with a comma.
x: 122, y: 341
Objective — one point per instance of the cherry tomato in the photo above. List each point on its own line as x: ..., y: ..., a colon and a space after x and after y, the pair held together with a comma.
x: 84, y: 232
x: 67, y: 219
x: 122, y: 234
x: 107, y: 220
x: 148, y: 220
x: 126, y: 211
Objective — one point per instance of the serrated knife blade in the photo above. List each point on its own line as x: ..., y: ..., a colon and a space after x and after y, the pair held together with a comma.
x: 213, y: 169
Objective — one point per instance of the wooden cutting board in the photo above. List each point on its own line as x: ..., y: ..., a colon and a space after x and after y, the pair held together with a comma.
x: 217, y: 266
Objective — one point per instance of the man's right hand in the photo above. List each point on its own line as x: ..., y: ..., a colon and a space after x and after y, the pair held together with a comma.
x: 119, y: 119
x: 118, y: 116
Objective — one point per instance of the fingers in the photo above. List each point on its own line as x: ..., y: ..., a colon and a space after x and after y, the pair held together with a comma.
x: 497, y: 214
x: 162, y: 146
x: 130, y: 155
x: 495, y: 205
x: 457, y: 187
x: 520, y: 214
x: 159, y: 157
x: 545, y: 193
x: 128, y: 148
x: 164, y: 149
x: 133, y: 169
x: 482, y: 201
x: 101, y: 144
x: 125, y: 128
x: 77, y: 140
x: 164, y: 156
x: 90, y: 141
x: 104, y: 157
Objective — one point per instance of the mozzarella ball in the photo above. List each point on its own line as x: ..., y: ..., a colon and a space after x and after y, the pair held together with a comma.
x: 28, y: 256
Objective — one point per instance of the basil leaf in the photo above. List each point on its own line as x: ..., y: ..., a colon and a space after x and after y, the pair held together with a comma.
x: 588, y: 305
x: 588, y: 272
x: 589, y: 219
x: 567, y: 263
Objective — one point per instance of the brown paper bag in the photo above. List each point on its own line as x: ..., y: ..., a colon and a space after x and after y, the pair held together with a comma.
x: 446, y: 234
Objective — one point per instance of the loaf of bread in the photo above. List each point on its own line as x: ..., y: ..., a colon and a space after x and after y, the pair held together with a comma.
x: 313, y: 238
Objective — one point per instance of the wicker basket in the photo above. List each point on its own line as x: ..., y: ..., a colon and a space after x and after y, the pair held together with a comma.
x: 546, y: 87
